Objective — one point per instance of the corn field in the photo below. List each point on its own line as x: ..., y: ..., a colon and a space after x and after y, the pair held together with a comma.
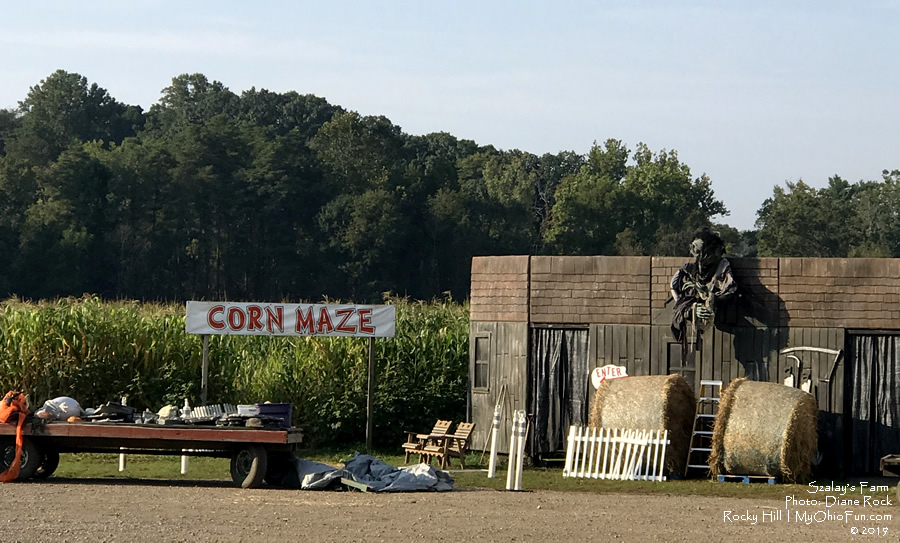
x: 97, y: 351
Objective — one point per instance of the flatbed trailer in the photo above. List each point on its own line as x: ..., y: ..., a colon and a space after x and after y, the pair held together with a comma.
x: 257, y: 454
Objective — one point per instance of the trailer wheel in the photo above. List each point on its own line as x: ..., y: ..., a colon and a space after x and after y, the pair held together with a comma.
x: 30, y: 459
x: 248, y: 466
x: 50, y: 462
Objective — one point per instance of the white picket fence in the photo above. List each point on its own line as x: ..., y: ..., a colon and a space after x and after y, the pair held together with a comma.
x: 612, y: 453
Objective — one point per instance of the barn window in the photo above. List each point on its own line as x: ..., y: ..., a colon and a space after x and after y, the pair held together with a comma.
x: 482, y: 356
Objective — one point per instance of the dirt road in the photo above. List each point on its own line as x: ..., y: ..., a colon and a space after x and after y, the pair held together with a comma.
x: 60, y: 510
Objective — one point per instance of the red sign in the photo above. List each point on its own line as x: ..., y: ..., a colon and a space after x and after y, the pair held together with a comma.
x: 267, y: 319
x: 609, y: 371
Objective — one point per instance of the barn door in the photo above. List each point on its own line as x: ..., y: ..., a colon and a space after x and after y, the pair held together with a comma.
x: 559, y: 394
x: 875, y: 399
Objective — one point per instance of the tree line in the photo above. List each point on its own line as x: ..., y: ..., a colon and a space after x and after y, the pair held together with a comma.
x: 266, y: 196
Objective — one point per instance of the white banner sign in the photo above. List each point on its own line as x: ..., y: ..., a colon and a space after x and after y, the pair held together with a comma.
x: 609, y: 371
x: 267, y: 319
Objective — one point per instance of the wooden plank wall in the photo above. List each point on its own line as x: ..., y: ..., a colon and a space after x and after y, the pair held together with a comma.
x: 743, y: 352
x: 830, y: 395
x: 622, y: 345
x: 829, y: 338
x: 499, y: 290
x: 508, y: 365
x: 589, y: 289
x: 840, y: 292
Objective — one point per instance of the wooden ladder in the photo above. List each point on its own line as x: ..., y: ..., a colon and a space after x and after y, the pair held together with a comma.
x: 701, y: 436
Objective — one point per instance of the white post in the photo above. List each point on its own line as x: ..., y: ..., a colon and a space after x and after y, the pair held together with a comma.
x: 184, y: 463
x: 627, y: 473
x: 620, y: 453
x: 607, y: 454
x: 520, y: 454
x: 662, y: 467
x: 513, y: 450
x: 583, y: 441
x: 657, y: 448
x: 643, y: 464
x: 570, y: 453
x: 601, y: 439
x: 121, y: 455
x: 590, y: 455
x: 495, y: 431
x: 639, y: 447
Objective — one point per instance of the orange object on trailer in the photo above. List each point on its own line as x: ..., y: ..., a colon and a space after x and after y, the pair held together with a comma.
x: 14, y: 403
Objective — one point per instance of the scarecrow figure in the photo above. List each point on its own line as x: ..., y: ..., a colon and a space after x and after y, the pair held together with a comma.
x: 700, y: 287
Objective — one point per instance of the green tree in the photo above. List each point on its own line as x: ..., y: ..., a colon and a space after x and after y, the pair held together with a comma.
x: 366, y: 231
x: 18, y: 191
x: 364, y: 162
x: 739, y: 243
x: 283, y: 113
x: 358, y: 152
x: 494, y: 207
x: 511, y: 181
x: 143, y: 222
x: 664, y: 205
x: 10, y: 121
x: 62, y: 238
x: 64, y: 110
x: 651, y: 206
x: 873, y: 222
x: 586, y: 215
x: 552, y: 169
x: 799, y: 220
x: 283, y: 194
x: 210, y: 208
x: 431, y: 168
x: 190, y: 100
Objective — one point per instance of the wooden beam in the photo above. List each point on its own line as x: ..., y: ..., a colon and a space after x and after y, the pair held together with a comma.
x: 156, y: 432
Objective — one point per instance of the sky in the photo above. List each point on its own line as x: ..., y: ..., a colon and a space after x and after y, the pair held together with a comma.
x: 752, y: 94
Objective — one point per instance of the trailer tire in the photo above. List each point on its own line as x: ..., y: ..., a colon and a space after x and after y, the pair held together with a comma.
x: 30, y: 459
x: 48, y: 465
x: 248, y: 466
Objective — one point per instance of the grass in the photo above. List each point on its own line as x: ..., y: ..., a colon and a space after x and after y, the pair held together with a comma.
x: 217, y: 469
x: 139, y: 466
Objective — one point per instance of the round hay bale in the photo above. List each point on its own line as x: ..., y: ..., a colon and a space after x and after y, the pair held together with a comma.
x: 649, y: 402
x: 765, y: 429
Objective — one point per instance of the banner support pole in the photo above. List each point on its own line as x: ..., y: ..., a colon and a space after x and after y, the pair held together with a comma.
x: 204, y: 370
x: 370, y: 422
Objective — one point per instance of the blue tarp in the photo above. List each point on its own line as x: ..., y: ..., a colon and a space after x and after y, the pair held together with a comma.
x: 377, y: 475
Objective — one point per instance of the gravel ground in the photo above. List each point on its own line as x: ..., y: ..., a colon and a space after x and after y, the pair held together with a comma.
x: 60, y: 510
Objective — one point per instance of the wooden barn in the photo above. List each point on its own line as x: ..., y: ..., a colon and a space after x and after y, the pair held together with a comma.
x: 540, y: 324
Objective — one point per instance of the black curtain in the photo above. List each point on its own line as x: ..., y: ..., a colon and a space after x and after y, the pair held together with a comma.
x: 559, y: 393
x: 580, y: 379
x: 875, y: 400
